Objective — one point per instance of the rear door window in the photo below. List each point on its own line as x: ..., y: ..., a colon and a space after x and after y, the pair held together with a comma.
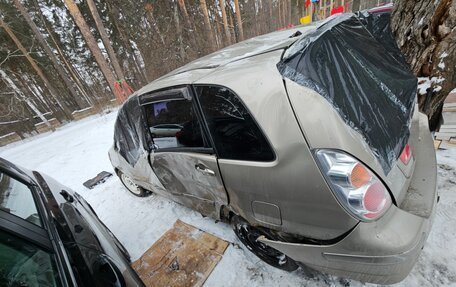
x: 235, y: 133
x: 174, y: 124
x: 16, y: 198
x: 24, y: 264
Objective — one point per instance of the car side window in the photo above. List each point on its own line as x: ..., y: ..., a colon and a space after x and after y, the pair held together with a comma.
x: 174, y: 124
x: 25, y: 264
x: 16, y: 198
x: 233, y: 129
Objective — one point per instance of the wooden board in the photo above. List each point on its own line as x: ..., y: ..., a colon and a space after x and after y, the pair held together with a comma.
x: 437, y: 144
x: 183, y: 256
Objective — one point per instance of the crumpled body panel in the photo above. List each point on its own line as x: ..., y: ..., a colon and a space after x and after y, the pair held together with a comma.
x: 368, y: 84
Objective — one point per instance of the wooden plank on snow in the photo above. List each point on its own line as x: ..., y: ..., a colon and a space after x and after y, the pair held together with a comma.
x: 444, y: 136
x: 183, y: 256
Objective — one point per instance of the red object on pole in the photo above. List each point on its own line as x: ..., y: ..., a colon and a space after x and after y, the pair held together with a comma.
x: 307, y: 3
x: 122, y: 90
x: 337, y: 10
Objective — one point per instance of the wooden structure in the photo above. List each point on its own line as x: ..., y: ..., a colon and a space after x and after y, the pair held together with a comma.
x: 446, y: 136
x: 80, y: 114
x: 42, y: 127
x: 9, y: 138
x: 183, y: 256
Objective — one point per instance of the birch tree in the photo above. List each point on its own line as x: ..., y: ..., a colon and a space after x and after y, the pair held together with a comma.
x: 47, y: 50
x: 37, y: 69
x: 18, y: 93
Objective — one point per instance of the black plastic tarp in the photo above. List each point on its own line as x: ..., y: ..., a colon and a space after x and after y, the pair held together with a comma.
x: 131, y: 138
x: 352, y: 61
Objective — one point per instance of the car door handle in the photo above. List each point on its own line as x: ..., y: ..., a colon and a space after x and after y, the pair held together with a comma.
x: 204, y: 170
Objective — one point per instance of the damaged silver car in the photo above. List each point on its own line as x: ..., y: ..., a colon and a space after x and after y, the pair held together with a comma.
x: 308, y: 141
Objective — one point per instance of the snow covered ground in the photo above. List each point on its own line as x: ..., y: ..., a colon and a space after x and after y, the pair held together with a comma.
x: 78, y: 152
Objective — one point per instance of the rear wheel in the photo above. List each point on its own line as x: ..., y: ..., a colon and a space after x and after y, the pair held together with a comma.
x: 132, y: 187
x: 249, y: 235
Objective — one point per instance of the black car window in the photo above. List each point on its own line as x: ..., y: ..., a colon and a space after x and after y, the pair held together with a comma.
x: 24, y: 264
x: 234, y: 131
x: 174, y: 124
x: 16, y: 198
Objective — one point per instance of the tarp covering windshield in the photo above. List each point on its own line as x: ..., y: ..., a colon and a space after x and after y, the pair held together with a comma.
x: 354, y: 63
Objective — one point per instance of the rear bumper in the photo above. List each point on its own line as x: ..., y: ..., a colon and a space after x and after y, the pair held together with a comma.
x: 386, y: 250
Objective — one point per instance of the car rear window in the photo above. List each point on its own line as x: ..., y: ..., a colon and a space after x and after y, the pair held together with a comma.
x: 353, y: 62
x: 233, y: 129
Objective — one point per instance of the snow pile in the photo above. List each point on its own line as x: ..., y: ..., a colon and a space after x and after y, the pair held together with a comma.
x: 78, y: 152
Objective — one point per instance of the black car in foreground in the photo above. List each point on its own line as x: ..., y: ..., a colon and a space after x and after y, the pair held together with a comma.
x: 50, y: 236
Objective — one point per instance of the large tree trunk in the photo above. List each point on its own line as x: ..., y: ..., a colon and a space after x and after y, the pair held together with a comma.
x: 179, y: 34
x: 105, y: 38
x: 239, y: 20
x: 92, y: 44
x: 153, y: 23
x: 425, y: 32
x: 184, y: 12
x: 37, y: 69
x: 225, y: 21
x: 48, y: 51
x: 188, y: 23
x: 22, y: 97
x: 207, y: 25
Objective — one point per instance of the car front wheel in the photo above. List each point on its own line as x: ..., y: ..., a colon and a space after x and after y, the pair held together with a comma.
x: 131, y: 186
x: 248, y: 235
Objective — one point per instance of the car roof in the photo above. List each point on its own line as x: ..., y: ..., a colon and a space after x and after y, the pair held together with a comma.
x: 206, y: 65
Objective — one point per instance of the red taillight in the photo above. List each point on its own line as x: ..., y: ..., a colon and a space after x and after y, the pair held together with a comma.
x: 406, y: 154
x: 356, y: 187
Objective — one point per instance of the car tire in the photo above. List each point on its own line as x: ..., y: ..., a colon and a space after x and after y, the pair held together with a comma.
x: 132, y: 187
x: 248, y: 235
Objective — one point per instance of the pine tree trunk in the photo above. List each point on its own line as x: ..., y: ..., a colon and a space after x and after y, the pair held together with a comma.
x: 271, y: 25
x: 184, y: 12
x: 279, y: 4
x: 153, y: 23
x: 225, y: 22
x: 22, y: 97
x: 47, y: 50
x: 207, y: 25
x: 105, y: 38
x: 37, y: 69
x: 425, y: 32
x: 239, y: 20
x: 91, y: 43
x: 179, y: 34
x: 289, y: 12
